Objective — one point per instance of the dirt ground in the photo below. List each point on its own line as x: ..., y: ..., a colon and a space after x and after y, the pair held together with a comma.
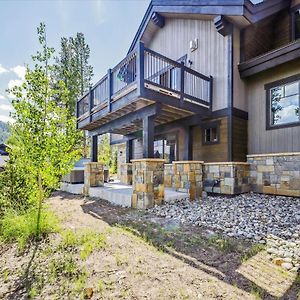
x: 143, y: 257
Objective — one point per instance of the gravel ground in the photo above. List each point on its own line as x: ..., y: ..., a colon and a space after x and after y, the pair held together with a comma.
x: 271, y: 220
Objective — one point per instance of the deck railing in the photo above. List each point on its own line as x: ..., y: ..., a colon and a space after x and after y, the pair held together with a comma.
x: 148, y: 69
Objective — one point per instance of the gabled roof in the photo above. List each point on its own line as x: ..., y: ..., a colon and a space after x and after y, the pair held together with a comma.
x: 240, y: 8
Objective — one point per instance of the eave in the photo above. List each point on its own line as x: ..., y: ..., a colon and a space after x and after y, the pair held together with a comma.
x: 241, y: 8
x: 270, y: 60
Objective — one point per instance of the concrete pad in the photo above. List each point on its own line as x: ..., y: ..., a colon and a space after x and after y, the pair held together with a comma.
x: 76, y: 189
x: 116, y: 193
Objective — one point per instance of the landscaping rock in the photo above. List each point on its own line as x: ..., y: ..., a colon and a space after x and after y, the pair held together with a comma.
x: 264, y: 219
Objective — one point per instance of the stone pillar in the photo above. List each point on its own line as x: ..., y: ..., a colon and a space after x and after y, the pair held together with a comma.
x: 169, y: 175
x: 188, y: 178
x: 126, y: 173
x: 93, y: 175
x: 147, y: 182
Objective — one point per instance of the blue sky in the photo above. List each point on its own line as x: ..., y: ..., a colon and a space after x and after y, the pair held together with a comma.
x: 108, y: 25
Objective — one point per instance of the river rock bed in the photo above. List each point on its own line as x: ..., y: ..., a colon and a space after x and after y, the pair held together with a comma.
x: 270, y: 220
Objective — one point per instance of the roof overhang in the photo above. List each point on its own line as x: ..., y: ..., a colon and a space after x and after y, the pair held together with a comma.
x: 245, y: 9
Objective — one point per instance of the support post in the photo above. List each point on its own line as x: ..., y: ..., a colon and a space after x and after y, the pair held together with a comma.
x: 90, y: 103
x: 182, y: 84
x: 128, y: 151
x: 148, y: 137
x: 110, y: 89
x: 140, y: 68
x: 188, y: 143
x: 94, y: 149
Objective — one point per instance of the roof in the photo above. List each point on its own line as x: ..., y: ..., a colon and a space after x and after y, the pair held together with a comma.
x: 242, y: 8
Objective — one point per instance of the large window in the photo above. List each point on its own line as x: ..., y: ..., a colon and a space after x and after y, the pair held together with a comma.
x: 284, y: 103
x: 165, y: 149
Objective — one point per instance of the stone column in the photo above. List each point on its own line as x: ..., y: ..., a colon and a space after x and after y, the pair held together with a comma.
x: 147, y: 182
x: 169, y: 175
x: 126, y: 173
x: 93, y: 175
x: 188, y: 178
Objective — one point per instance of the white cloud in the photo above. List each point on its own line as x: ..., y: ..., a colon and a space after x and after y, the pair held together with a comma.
x: 100, y: 11
x: 2, y: 97
x: 20, y: 71
x: 6, y: 119
x: 6, y: 107
x: 14, y: 82
x: 2, y: 69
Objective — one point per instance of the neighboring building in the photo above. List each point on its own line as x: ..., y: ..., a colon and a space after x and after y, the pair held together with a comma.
x: 4, y: 156
x: 213, y: 81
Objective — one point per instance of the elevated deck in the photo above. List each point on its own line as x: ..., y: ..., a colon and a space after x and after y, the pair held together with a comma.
x: 145, y: 83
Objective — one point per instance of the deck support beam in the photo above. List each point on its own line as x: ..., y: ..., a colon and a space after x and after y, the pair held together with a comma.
x: 94, y: 148
x: 188, y: 143
x: 148, y: 137
x: 129, y: 149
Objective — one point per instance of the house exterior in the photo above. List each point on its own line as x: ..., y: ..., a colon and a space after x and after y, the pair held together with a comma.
x: 206, y: 99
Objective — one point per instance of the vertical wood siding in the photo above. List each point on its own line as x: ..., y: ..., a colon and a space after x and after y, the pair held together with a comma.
x: 239, y: 86
x: 209, y: 59
x: 269, y: 141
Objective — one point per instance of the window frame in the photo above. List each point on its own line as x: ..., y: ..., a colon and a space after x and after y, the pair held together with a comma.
x: 268, y: 88
x: 293, y: 12
x: 211, y: 125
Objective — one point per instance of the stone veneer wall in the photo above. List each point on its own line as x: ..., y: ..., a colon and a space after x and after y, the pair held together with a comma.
x: 188, y: 178
x: 169, y: 175
x: 93, y: 175
x: 126, y: 173
x: 277, y: 174
x: 147, y: 182
x: 227, y: 178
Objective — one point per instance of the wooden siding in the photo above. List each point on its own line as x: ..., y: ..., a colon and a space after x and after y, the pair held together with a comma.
x: 239, y: 86
x: 239, y: 135
x: 266, y: 35
x: 211, y: 153
x: 210, y: 58
x: 269, y: 141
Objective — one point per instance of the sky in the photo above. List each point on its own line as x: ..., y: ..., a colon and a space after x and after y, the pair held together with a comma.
x: 108, y: 25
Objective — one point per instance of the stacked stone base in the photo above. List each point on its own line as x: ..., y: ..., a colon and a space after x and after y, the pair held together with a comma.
x: 229, y: 178
x: 188, y: 178
x: 147, y: 183
x: 169, y: 175
x: 93, y: 176
x: 126, y: 173
x: 277, y: 174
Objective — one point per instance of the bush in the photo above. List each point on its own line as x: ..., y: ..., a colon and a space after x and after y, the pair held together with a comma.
x: 21, y: 227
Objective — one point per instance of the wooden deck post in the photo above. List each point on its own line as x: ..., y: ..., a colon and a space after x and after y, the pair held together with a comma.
x: 188, y: 143
x: 128, y: 151
x: 148, y: 137
x: 140, y: 69
x: 94, y: 149
x: 110, y: 89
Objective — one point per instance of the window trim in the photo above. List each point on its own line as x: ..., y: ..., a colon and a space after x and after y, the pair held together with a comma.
x: 268, y: 87
x: 293, y: 11
x: 215, y: 124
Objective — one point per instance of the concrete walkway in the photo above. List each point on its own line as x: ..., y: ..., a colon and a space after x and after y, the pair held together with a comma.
x: 116, y: 193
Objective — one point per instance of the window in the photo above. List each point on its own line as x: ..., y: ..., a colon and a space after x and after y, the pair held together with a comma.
x: 211, y: 135
x: 283, y: 106
x: 165, y: 149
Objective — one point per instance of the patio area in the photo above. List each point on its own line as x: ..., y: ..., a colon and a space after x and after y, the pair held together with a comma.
x: 117, y: 193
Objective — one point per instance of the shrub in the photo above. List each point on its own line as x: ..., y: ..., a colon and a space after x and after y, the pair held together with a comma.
x: 21, y: 227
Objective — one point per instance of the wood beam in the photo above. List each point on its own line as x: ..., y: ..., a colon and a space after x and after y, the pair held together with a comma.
x: 94, y: 149
x: 129, y: 148
x: 188, y: 143
x: 148, y: 137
